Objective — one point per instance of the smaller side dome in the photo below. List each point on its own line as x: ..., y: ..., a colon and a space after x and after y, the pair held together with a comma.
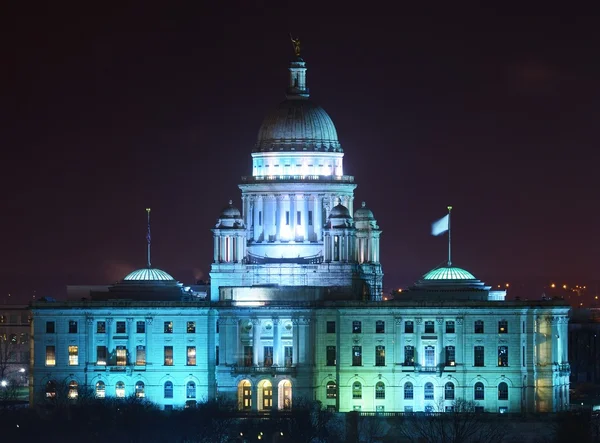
x: 448, y: 273
x: 230, y: 211
x: 363, y: 213
x: 148, y: 275
x: 340, y: 211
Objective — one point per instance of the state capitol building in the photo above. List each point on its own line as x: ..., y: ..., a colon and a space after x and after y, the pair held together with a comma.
x: 294, y: 311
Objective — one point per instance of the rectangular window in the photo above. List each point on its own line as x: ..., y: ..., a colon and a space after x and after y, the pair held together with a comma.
x: 379, y: 327
x: 50, y: 356
x: 72, y: 327
x: 331, y: 356
x: 502, y: 355
x: 217, y: 326
x: 478, y: 356
x: 409, y: 355
x: 268, y: 356
x: 168, y: 327
x: 310, y: 218
x: 430, y: 356
x: 217, y: 356
x: 248, y: 356
x: 450, y: 356
x: 101, y: 327
x: 429, y: 327
x: 356, y: 327
x: 331, y: 327
x: 449, y: 327
x: 299, y: 218
x: 191, y: 327
x: 379, y: 355
x: 502, y: 327
x: 121, y: 356
x: 101, y: 355
x: 523, y: 356
x: 191, y: 355
x: 409, y: 327
x: 121, y: 327
x: 259, y: 218
x: 287, y: 218
x: 73, y: 355
x: 356, y: 355
x: 478, y: 326
x: 168, y: 355
x: 336, y: 247
x: 140, y: 327
x: 140, y: 355
x: 288, y: 356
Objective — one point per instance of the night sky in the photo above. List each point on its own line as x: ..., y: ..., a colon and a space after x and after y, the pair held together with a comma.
x: 107, y: 112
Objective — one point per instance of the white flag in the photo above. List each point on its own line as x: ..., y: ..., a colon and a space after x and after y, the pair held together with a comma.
x: 440, y: 226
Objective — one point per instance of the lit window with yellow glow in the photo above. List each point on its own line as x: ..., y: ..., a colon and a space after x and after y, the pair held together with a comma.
x: 73, y: 355
x: 50, y: 356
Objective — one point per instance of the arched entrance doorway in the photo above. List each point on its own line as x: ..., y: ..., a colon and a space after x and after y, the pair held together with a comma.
x: 245, y: 395
x: 285, y: 395
x: 265, y: 395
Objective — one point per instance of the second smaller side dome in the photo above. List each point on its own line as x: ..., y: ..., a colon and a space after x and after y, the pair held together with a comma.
x: 363, y: 213
x: 230, y: 211
x: 340, y: 211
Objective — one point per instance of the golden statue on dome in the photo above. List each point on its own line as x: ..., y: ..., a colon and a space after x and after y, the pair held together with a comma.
x: 296, y: 44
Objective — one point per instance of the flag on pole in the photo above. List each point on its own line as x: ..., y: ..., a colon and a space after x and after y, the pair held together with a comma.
x: 440, y: 226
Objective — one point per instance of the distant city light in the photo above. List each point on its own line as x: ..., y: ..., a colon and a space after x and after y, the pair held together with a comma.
x: 564, y: 286
x: 507, y: 285
x: 553, y: 285
x: 22, y: 370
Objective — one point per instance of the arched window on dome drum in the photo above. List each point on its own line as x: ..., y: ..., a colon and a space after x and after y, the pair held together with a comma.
x: 190, y: 390
x: 479, y: 391
x: 168, y: 389
x: 502, y: 391
x: 51, y: 389
x: 331, y: 389
x: 428, y: 391
x: 356, y: 390
x: 380, y: 390
x: 140, y: 389
x: 73, y: 392
x: 100, y: 389
x: 408, y: 391
x: 120, y: 389
x: 449, y: 391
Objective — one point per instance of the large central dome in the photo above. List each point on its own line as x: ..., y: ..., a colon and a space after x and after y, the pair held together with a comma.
x: 298, y: 125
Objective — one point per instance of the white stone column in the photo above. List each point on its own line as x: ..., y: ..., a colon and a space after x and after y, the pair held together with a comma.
x: 292, y: 217
x: 255, y: 228
x: 130, y: 343
x: 295, y: 341
x: 109, y: 339
x: 262, y: 227
x: 398, y: 354
x: 305, y: 226
x: 148, y: 332
x: 255, y: 340
x: 216, y: 248
x: 276, y: 343
x: 280, y: 214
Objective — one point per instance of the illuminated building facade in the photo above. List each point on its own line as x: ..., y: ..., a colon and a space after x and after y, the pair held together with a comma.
x: 295, y: 309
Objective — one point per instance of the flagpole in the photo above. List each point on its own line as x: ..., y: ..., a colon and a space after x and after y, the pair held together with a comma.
x: 148, y: 238
x: 449, y: 239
